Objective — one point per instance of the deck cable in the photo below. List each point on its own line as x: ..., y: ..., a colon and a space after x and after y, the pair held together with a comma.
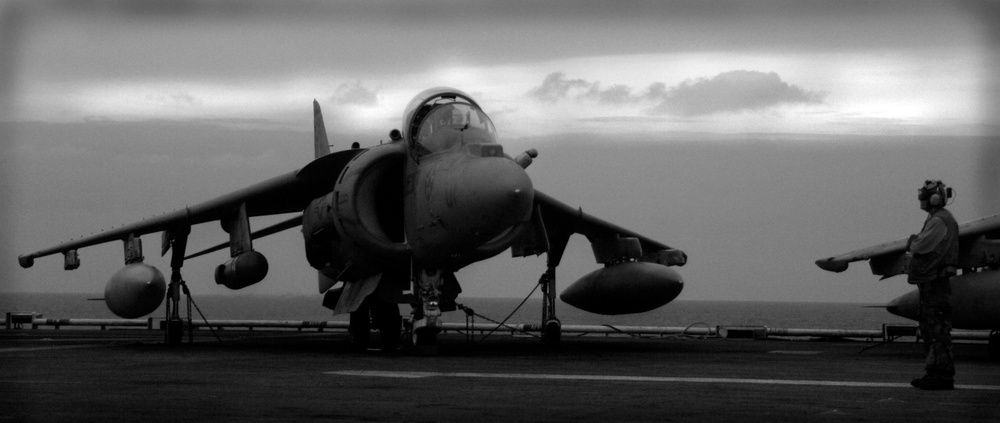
x: 873, y: 346
x: 504, y: 322
x: 682, y: 335
x: 203, y: 318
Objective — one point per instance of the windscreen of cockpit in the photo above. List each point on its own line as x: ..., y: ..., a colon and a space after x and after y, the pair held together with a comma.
x: 453, y: 125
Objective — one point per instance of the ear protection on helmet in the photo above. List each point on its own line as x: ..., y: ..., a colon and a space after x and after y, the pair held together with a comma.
x: 935, y: 192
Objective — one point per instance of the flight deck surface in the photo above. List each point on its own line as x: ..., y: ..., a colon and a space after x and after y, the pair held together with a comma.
x: 130, y: 375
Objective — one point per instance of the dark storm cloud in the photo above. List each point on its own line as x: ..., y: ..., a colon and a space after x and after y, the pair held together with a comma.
x: 727, y: 92
x: 355, y: 94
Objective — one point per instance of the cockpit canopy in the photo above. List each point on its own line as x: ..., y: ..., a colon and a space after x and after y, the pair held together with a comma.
x: 441, y: 119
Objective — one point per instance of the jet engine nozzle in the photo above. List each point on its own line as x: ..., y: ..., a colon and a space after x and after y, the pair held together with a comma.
x: 135, y: 291
x: 242, y: 271
x: 625, y: 288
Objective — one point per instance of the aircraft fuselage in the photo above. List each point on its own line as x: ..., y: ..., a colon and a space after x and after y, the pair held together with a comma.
x: 975, y: 301
x: 442, y: 195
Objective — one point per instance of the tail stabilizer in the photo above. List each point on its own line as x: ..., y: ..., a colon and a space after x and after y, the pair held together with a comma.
x: 321, y: 143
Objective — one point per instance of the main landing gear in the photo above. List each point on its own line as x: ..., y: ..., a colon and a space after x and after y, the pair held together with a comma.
x: 434, y: 292
x: 384, y: 316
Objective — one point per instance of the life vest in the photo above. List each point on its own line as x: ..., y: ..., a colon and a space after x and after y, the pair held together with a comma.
x: 928, y: 267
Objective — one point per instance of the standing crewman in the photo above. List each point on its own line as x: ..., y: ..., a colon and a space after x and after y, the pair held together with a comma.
x: 934, y: 261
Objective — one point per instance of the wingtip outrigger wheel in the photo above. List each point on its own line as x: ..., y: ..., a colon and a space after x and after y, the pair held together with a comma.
x: 177, y: 239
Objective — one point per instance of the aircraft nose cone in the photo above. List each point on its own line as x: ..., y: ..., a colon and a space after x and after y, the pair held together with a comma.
x: 893, y: 307
x: 513, y: 191
x: 501, y: 195
x: 906, y: 305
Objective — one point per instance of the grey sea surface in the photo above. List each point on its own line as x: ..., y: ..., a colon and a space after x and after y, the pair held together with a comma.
x: 683, y: 313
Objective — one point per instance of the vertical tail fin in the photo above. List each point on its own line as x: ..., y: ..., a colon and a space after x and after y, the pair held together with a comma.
x: 321, y: 143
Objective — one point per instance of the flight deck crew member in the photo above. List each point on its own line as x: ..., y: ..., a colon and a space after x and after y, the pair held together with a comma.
x: 934, y: 259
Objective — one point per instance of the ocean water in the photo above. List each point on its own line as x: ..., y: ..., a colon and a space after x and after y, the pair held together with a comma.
x: 796, y: 315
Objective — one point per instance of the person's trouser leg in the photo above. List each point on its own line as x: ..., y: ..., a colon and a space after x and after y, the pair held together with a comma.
x: 935, y: 328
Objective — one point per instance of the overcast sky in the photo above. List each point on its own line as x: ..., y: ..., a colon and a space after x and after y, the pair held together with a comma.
x: 756, y: 136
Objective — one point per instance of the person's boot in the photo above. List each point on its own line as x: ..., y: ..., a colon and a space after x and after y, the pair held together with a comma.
x: 933, y: 383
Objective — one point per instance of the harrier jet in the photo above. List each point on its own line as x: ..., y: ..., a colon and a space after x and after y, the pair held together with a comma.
x: 391, y: 224
x: 975, y: 293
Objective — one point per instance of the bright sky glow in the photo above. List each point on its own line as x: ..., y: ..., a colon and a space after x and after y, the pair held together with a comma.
x: 925, y: 81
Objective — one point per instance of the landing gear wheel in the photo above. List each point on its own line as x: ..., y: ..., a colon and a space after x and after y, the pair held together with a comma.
x: 385, y: 316
x: 425, y: 337
x: 552, y: 332
x: 175, y: 330
x: 425, y: 341
x: 994, y: 345
x: 360, y: 328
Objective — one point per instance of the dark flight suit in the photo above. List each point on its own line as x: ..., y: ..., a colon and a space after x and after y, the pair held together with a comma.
x: 935, y: 255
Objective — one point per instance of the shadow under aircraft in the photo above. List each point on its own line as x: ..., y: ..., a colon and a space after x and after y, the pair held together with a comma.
x: 391, y: 224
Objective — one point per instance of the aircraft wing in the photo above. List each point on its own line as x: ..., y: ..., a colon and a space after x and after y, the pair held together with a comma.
x: 610, y: 242
x: 287, y: 193
x: 979, y: 246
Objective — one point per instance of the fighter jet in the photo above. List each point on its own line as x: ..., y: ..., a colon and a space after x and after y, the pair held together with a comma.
x: 391, y: 224
x: 975, y: 292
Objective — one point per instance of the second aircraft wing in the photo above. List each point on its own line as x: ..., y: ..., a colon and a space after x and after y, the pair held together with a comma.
x: 978, y: 247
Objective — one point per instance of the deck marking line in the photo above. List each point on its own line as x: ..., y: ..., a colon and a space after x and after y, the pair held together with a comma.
x: 794, y: 352
x: 622, y: 378
x: 58, y: 347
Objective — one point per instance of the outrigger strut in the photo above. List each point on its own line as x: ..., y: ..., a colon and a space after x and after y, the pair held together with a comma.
x: 551, y: 327
x: 174, y: 324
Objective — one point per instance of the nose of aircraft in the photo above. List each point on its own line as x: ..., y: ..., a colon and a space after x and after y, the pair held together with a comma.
x: 892, y: 307
x: 498, y: 194
x: 906, y: 305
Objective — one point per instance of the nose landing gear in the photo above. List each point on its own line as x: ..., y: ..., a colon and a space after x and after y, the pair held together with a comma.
x: 425, y: 321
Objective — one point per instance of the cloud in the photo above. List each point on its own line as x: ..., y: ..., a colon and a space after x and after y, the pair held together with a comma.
x: 734, y: 91
x: 355, y: 94
x: 178, y: 99
x: 555, y: 87
x: 617, y: 94
x: 728, y: 92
